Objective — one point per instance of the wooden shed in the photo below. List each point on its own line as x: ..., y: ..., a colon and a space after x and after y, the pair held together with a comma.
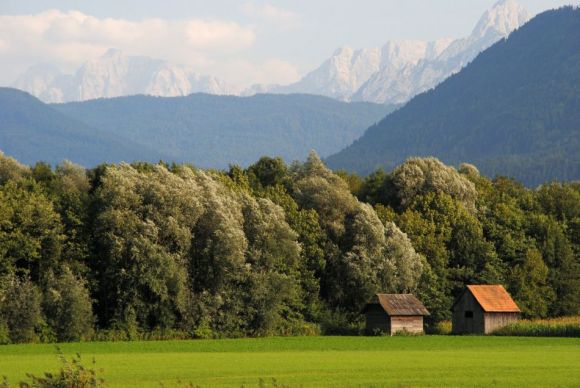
x: 483, y: 308
x: 391, y: 313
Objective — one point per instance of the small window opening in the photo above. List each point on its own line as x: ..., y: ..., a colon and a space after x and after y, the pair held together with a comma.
x: 469, y: 314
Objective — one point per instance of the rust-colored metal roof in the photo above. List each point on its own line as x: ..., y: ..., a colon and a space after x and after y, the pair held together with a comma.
x: 400, y: 304
x: 493, y: 298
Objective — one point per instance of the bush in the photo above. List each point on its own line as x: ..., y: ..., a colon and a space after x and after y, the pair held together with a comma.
x: 405, y: 333
x: 141, y: 335
x: 68, y: 307
x: 378, y: 333
x: 72, y: 374
x: 304, y: 329
x: 4, y: 334
x: 439, y: 328
x: 204, y: 331
x: 556, y: 327
x: 20, y: 310
x: 341, y: 323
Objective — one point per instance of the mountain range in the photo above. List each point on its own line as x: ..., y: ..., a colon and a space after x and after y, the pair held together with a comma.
x: 391, y: 74
x: 400, y: 70
x: 215, y: 131
x: 116, y: 74
x: 32, y: 131
x: 207, y: 130
x: 395, y: 85
x: 514, y: 110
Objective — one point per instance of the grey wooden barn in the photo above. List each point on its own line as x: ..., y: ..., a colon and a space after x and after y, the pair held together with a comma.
x: 483, y: 308
x: 392, y: 313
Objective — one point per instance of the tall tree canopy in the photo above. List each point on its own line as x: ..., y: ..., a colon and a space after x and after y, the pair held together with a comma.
x: 138, y: 250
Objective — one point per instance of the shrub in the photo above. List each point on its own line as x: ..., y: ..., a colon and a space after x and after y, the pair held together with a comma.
x: 4, y: 334
x: 305, y: 329
x: 341, y: 323
x: 406, y: 333
x: 68, y: 307
x: 204, y: 331
x: 157, y: 334
x: 439, y: 328
x: 20, y: 309
x: 72, y: 374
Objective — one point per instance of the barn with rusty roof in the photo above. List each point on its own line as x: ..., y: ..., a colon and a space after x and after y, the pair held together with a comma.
x: 392, y: 313
x: 483, y: 308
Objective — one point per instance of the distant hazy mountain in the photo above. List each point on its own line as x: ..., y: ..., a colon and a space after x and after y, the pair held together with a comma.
x: 115, y: 74
x: 514, y: 110
x: 214, y: 131
x: 45, y: 82
x: 391, y: 74
x: 32, y: 131
x: 402, y: 69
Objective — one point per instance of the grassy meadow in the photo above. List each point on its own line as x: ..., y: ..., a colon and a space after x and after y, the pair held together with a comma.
x: 316, y: 361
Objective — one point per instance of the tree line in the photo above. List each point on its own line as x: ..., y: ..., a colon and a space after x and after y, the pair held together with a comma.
x: 274, y: 249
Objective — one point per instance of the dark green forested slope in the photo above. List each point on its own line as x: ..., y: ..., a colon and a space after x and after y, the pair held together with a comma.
x: 32, y: 131
x: 515, y: 110
x: 214, y: 131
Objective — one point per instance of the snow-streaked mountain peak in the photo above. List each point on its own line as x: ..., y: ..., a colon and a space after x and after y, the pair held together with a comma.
x: 401, y: 69
x: 393, y: 73
x: 115, y: 74
x: 504, y: 17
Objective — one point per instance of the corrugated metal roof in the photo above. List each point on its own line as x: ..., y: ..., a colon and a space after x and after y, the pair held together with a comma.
x: 400, y: 304
x: 493, y: 298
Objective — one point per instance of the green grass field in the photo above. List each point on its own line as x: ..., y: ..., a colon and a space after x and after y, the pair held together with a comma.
x: 317, y: 361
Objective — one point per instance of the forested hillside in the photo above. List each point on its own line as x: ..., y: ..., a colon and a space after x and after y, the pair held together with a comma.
x: 173, y: 251
x: 31, y: 130
x: 213, y: 131
x: 515, y: 111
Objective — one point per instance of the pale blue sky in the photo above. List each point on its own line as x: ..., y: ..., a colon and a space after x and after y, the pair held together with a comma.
x: 273, y: 41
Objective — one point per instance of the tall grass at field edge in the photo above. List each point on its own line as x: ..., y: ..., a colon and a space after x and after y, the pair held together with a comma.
x: 554, y: 327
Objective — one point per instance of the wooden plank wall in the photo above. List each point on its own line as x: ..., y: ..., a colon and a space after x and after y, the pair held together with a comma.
x: 411, y: 324
x: 463, y: 325
x: 494, y: 321
x: 377, y: 320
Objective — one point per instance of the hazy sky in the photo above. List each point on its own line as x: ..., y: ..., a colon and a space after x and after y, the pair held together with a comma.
x: 240, y: 41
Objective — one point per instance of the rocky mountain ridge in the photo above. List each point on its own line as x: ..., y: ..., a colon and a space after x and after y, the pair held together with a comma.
x: 117, y: 74
x: 391, y: 74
